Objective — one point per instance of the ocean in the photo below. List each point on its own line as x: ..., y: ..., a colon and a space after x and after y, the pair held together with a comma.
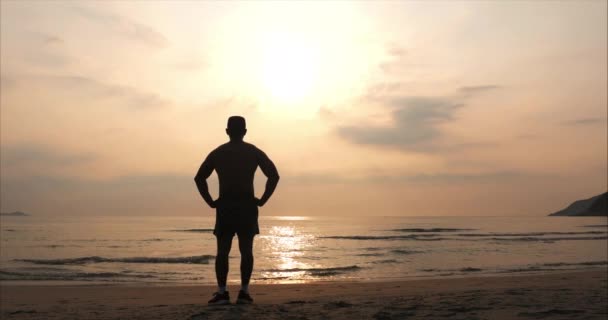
x: 180, y: 250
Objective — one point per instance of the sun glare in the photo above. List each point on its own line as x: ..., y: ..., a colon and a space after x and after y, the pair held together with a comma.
x: 289, y: 68
x: 293, y: 57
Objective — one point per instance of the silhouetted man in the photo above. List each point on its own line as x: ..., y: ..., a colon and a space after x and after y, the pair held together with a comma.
x: 237, y: 207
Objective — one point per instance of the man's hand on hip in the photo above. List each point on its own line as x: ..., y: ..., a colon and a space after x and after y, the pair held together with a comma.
x: 259, y: 202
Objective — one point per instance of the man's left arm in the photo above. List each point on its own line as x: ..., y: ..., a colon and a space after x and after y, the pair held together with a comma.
x: 200, y: 179
x: 271, y: 172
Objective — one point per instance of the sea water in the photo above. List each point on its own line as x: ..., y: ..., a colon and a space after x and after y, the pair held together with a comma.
x: 180, y: 249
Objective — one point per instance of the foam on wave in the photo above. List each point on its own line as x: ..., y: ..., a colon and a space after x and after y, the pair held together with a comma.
x: 320, y: 271
x: 194, y: 230
x: 404, y: 237
x: 426, y: 230
x: 527, y: 234
x: 203, y: 259
x: 81, y: 276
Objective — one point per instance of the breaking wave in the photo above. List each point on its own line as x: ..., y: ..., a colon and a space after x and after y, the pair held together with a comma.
x: 533, y: 236
x: 319, y: 271
x: 536, y: 267
x: 404, y: 251
x: 431, y: 230
x: 82, y: 276
x: 549, y: 238
x: 194, y: 230
x: 405, y: 237
x: 527, y: 234
x: 586, y: 263
x: 384, y: 261
x: 204, y: 259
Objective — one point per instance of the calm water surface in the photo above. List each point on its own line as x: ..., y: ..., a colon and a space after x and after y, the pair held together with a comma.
x: 170, y: 250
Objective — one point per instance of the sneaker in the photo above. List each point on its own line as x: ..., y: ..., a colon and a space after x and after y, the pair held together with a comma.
x: 244, y: 298
x: 220, y: 298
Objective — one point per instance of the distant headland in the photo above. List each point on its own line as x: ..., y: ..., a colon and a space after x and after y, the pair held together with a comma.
x: 595, y: 206
x: 14, y: 214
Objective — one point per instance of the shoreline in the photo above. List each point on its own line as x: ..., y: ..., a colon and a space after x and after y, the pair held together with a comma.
x: 234, y: 282
x: 555, y: 295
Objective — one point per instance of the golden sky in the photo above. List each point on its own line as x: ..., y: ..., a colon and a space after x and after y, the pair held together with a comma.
x: 367, y: 108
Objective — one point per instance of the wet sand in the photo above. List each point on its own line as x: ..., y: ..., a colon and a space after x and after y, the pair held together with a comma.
x: 556, y: 295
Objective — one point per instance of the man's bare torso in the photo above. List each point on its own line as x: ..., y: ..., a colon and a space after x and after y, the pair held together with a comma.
x: 235, y: 164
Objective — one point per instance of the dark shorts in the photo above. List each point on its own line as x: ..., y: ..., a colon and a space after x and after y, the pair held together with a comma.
x: 242, y: 220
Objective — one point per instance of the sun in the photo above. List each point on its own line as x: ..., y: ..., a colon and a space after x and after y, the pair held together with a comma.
x: 289, y: 68
x: 293, y: 58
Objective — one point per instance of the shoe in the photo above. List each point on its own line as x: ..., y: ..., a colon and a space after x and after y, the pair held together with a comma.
x: 244, y: 298
x: 220, y: 298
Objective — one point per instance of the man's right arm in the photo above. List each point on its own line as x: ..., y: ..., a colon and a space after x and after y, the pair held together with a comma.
x: 200, y: 179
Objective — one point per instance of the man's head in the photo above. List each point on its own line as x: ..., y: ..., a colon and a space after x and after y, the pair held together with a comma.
x: 236, y: 128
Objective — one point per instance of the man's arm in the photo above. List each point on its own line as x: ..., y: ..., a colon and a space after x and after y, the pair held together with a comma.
x: 270, y: 171
x: 203, y: 173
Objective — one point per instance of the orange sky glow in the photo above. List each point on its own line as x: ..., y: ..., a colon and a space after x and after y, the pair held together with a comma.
x: 367, y: 108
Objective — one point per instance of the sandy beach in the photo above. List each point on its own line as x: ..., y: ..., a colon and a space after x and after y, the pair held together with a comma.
x: 563, y: 295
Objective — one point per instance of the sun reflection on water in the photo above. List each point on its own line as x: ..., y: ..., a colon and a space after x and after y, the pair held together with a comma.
x: 289, y: 218
x: 287, y: 246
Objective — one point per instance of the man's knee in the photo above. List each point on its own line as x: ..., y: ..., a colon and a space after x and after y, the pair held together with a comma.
x: 246, y: 254
x: 222, y: 254
x: 223, y: 247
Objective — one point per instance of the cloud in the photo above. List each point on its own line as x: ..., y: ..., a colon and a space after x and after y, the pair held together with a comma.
x: 30, y: 159
x: 326, y: 178
x: 48, y: 59
x: 469, y: 91
x: 41, y: 49
x: 414, y: 120
x: 123, y: 26
x: 414, y: 123
x: 497, y: 177
x: 47, y: 39
x: 477, y: 89
x: 132, y: 194
x: 382, y: 90
x: 190, y: 64
x: 586, y: 121
x: 7, y: 82
x: 94, y: 89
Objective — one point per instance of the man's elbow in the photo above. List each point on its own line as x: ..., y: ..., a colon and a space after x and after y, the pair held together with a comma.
x: 274, y: 178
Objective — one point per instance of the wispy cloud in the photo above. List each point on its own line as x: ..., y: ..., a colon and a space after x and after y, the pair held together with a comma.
x: 439, y: 177
x: 92, y: 88
x: 124, y: 26
x: 468, y: 90
x: 483, y: 177
x: 586, y: 121
x: 40, y: 155
x: 415, y: 120
x: 133, y: 194
x: 44, y: 50
x: 47, y: 39
x: 190, y: 64
x: 414, y: 123
x: 7, y: 82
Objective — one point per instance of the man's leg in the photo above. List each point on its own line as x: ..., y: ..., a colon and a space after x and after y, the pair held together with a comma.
x: 224, y: 243
x: 246, y: 248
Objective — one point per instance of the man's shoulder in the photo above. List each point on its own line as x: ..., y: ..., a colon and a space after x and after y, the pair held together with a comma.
x: 231, y: 147
x: 251, y: 146
x: 218, y: 150
x: 255, y: 149
x: 220, y: 147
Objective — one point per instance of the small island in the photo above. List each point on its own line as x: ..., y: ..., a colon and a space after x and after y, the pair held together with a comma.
x: 14, y: 214
x: 594, y: 206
